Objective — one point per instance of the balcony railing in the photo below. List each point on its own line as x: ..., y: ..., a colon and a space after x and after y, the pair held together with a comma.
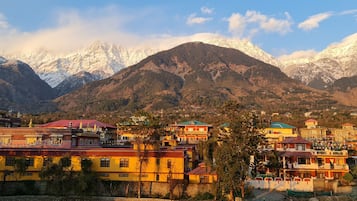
x: 316, y: 166
x: 330, y: 152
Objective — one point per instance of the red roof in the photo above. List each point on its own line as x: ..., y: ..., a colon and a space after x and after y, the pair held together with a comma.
x: 76, y: 124
x: 202, y: 169
x: 311, y: 120
x: 295, y: 140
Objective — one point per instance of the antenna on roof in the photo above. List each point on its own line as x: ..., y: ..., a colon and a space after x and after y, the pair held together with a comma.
x: 70, y: 124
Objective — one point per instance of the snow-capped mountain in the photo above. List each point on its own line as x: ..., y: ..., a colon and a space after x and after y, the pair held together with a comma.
x: 74, y: 82
x: 336, y: 61
x: 105, y: 59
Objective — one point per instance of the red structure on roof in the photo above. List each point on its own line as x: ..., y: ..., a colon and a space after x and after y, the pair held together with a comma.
x: 295, y: 140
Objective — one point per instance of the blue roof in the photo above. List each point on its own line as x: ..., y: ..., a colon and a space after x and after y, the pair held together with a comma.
x: 280, y: 125
x: 194, y: 122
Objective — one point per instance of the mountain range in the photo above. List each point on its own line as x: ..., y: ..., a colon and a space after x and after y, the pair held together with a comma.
x: 332, y: 70
x: 320, y: 71
x: 194, y: 75
x: 104, y: 59
x: 22, y: 89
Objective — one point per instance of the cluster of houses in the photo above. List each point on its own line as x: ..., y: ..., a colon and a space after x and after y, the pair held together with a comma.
x: 306, y: 153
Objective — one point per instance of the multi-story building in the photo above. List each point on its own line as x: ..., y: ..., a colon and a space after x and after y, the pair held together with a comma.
x: 41, y: 146
x: 277, y: 132
x: 106, y: 132
x: 191, y: 132
x: 301, y: 160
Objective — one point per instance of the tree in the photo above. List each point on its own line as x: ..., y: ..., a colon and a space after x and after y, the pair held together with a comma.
x: 20, y: 166
x: 60, y: 178
x: 232, y: 156
x: 86, y: 179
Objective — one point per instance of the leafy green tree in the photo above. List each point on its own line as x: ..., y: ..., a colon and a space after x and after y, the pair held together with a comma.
x: 60, y: 179
x: 87, y: 180
x: 232, y: 156
x: 20, y: 166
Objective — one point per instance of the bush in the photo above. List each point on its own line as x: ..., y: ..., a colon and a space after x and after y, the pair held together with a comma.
x: 203, y: 196
x: 348, y: 177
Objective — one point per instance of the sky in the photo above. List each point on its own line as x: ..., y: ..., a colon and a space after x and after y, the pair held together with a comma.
x: 279, y: 27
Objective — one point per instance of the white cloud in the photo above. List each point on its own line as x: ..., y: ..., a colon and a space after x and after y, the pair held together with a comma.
x: 206, y: 10
x: 73, y: 30
x: 3, y: 22
x: 313, y: 21
x: 255, y: 22
x: 349, y: 12
x: 302, y: 54
x: 192, y: 19
x: 236, y: 24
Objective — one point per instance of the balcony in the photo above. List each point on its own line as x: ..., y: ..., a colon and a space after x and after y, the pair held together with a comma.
x: 330, y: 153
x: 315, y: 166
x: 302, y: 166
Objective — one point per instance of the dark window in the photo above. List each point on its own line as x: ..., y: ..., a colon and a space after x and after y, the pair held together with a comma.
x: 169, y: 163
x: 303, y: 161
x: 104, y: 162
x: 204, y: 179
x: 47, y: 161
x: 123, y: 175
x: 157, y: 161
x: 9, y: 161
x: 124, y: 162
x: 157, y: 177
x: 66, y: 162
x: 30, y: 162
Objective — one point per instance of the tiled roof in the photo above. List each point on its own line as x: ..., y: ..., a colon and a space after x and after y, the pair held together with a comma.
x: 76, y: 124
x: 194, y: 122
x: 202, y: 169
x: 280, y: 125
x: 311, y: 120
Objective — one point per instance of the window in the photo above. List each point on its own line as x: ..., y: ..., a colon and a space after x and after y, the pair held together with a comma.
x: 169, y: 163
x: 56, y: 139
x: 47, y: 161
x: 157, y: 161
x: 204, y: 179
x: 303, y: 161
x: 103, y: 174
x: 104, y: 162
x: 30, y: 162
x: 157, y: 177
x: 124, y: 162
x: 33, y: 139
x: 9, y: 161
x: 300, y: 147
x: 5, y: 140
x: 66, y: 161
x: 123, y: 175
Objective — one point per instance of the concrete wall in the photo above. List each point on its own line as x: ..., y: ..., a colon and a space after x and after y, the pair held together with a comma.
x: 307, y: 186
x: 194, y: 189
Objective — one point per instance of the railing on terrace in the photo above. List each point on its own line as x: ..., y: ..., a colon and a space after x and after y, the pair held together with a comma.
x: 316, y: 166
x: 330, y: 152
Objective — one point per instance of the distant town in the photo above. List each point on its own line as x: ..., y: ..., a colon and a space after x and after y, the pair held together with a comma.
x: 140, y: 158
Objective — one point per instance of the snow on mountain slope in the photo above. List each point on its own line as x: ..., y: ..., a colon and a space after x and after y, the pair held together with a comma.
x: 336, y: 61
x: 105, y: 59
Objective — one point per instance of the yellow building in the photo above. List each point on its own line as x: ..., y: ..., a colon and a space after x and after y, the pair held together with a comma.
x: 41, y: 146
x: 277, y: 132
x: 190, y: 132
x: 203, y: 174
